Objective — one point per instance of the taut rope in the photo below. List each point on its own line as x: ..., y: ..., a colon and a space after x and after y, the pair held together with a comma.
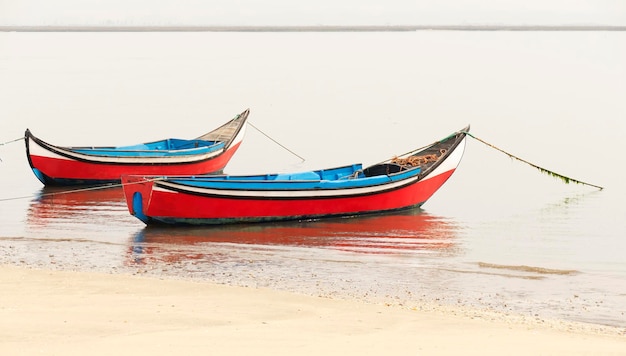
x: 276, y: 142
x: 70, y: 191
x: 4, y: 143
x: 17, y: 139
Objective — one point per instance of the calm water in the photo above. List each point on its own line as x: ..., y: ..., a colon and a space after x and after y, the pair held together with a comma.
x: 499, y: 235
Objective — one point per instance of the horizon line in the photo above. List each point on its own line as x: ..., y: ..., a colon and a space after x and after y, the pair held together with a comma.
x: 307, y: 28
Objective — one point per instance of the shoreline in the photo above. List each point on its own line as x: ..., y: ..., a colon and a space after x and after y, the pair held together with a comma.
x: 68, y: 312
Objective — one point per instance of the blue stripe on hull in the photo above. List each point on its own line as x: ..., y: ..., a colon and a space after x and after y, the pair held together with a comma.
x: 138, y: 208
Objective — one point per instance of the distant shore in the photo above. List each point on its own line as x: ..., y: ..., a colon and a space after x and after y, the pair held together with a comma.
x: 399, y: 28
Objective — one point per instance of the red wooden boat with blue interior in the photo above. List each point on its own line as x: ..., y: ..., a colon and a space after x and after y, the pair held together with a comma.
x: 403, y: 182
x: 209, y: 153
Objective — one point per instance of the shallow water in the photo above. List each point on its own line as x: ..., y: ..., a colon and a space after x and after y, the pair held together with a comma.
x: 499, y: 235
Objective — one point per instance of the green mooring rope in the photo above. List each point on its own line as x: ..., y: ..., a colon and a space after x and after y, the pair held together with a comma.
x: 565, y: 179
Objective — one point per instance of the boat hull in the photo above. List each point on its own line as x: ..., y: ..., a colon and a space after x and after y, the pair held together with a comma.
x: 57, y: 165
x: 54, y: 169
x: 156, y: 201
x: 170, y: 207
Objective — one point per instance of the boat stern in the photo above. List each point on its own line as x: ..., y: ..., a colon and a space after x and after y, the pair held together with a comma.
x: 138, y: 191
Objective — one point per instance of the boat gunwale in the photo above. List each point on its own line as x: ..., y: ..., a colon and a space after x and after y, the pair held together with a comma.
x: 407, y: 177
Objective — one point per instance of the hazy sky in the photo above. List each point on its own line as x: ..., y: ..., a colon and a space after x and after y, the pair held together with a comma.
x: 311, y: 12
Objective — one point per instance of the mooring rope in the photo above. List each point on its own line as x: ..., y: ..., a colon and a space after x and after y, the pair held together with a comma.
x: 565, y: 179
x: 17, y: 139
x: 276, y: 142
x: 70, y: 191
x: 5, y: 143
x: 415, y: 161
x: 63, y: 192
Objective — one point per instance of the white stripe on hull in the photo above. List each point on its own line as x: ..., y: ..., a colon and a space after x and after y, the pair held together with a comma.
x: 35, y: 149
x: 452, y: 161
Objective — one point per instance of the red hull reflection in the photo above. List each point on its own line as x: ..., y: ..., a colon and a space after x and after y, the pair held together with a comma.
x: 381, y: 234
x: 104, y: 206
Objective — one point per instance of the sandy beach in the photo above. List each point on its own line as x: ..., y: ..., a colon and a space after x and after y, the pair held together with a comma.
x: 48, y: 312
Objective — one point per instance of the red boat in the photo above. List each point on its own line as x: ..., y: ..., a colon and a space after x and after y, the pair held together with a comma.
x: 209, y: 153
x: 399, y: 183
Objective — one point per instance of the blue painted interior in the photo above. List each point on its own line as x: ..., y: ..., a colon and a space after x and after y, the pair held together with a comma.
x: 334, y: 178
x: 168, y: 147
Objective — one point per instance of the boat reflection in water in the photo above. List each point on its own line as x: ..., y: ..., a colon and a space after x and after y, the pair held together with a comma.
x: 399, y: 232
x: 84, y: 212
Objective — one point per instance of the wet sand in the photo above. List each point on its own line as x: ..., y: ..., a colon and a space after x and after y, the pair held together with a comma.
x: 73, y: 313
